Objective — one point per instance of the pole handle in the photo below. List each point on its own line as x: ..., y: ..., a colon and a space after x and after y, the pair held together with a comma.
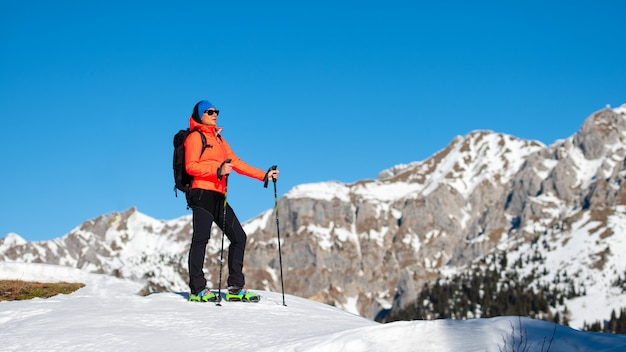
x: 219, y: 169
x: 266, y: 179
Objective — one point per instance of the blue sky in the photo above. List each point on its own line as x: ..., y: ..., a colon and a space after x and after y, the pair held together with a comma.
x: 91, y: 93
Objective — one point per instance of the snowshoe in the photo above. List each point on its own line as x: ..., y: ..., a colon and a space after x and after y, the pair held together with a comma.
x: 240, y: 294
x: 203, y: 296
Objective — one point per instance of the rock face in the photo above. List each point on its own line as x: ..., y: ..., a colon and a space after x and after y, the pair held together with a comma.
x: 373, y: 244
x: 367, y: 244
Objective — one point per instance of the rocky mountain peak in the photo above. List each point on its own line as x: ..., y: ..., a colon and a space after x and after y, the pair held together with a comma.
x: 603, y: 129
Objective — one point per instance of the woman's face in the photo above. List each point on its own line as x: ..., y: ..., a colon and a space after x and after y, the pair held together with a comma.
x: 209, y: 117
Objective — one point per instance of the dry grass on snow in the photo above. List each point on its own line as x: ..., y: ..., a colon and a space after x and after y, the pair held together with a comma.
x: 16, y: 290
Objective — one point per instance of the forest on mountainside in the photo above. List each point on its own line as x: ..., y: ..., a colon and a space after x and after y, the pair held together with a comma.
x: 489, y: 289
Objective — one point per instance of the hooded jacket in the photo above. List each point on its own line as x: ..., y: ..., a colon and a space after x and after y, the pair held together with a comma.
x: 203, y: 166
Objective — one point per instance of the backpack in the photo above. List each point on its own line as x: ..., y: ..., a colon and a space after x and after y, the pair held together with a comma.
x: 182, y: 180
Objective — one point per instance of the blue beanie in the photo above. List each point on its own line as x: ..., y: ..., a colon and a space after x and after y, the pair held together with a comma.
x: 201, y: 107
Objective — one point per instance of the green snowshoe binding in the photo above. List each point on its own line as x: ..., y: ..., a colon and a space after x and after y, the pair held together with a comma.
x: 203, y: 296
x: 240, y: 294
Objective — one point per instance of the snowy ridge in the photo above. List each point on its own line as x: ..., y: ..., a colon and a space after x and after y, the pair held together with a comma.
x: 129, y: 244
x: 620, y: 110
x: 481, y: 156
x: 321, y: 191
x: 467, y: 162
x: 10, y: 240
x: 118, y: 319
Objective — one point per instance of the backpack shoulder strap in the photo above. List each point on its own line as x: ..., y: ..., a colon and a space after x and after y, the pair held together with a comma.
x: 204, y: 144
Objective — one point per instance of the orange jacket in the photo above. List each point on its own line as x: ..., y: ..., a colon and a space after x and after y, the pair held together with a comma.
x: 204, y: 167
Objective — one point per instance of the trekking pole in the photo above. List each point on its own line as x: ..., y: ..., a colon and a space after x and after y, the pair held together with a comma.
x: 280, y: 256
x: 219, y: 177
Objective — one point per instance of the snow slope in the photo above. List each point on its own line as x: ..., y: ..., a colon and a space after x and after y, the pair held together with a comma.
x: 107, y: 315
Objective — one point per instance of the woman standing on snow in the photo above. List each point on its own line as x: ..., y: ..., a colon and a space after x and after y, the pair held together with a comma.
x: 210, y: 167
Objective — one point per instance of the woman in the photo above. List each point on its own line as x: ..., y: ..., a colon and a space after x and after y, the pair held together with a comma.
x: 210, y: 166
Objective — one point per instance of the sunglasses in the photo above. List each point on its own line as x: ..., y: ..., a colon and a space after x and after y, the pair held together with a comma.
x: 210, y: 112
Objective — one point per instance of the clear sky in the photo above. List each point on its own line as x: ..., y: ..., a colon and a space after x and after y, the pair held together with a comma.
x: 92, y: 92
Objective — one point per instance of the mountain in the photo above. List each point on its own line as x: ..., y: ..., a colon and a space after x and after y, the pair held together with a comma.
x: 107, y: 315
x: 369, y: 247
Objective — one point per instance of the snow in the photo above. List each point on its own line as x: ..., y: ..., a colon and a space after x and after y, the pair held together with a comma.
x: 259, y: 222
x: 12, y: 239
x: 321, y: 191
x: 620, y: 110
x: 107, y: 315
x: 387, y: 192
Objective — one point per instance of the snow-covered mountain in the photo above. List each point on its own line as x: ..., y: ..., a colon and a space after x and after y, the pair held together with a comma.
x: 373, y: 244
x: 128, y: 244
x: 107, y: 315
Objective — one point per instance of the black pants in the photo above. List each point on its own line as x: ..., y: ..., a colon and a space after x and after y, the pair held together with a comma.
x: 208, y: 207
